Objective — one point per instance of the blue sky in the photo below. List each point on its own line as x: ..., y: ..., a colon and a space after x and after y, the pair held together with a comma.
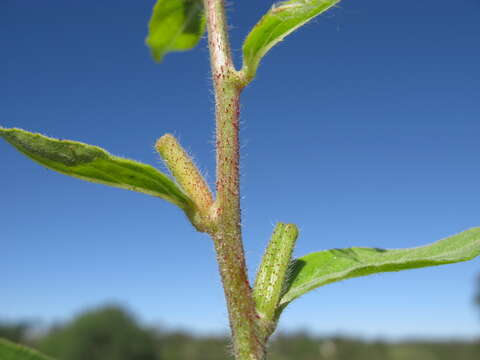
x: 362, y: 128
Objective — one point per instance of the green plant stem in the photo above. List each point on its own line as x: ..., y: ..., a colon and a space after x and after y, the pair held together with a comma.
x: 226, y: 231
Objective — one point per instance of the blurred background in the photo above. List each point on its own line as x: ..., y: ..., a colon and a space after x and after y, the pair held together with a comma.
x: 111, y: 332
x: 361, y: 128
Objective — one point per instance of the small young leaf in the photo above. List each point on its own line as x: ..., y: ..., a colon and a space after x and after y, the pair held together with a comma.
x: 272, y: 274
x: 175, y: 25
x: 325, y: 267
x: 11, y: 351
x: 185, y: 172
x: 282, y: 19
x: 94, y: 164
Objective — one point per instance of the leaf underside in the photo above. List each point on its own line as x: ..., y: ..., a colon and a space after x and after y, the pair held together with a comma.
x: 94, y: 164
x: 282, y: 19
x: 325, y: 267
x: 11, y: 351
x: 175, y: 25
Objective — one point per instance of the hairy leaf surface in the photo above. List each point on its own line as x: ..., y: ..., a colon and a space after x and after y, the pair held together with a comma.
x: 94, y: 164
x: 11, y: 351
x: 282, y: 19
x: 175, y: 25
x: 325, y: 267
x: 273, y: 270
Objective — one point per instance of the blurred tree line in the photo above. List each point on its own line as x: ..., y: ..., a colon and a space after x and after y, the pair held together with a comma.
x: 111, y: 333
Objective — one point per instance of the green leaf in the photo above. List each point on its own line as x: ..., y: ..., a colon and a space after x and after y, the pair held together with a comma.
x: 325, y: 267
x: 175, y: 25
x: 272, y: 273
x: 282, y: 19
x: 11, y: 351
x: 94, y: 164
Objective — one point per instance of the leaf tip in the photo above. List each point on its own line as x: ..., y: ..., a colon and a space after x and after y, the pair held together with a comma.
x: 155, y: 52
x: 3, y: 130
x: 8, y: 133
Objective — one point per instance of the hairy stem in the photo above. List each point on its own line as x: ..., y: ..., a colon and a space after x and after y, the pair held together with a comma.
x: 227, y: 233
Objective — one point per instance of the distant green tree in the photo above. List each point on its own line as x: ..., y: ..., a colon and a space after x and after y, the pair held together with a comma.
x: 183, y: 346
x: 477, y: 296
x: 16, y: 332
x: 299, y: 346
x: 435, y: 350
x: 107, y: 333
